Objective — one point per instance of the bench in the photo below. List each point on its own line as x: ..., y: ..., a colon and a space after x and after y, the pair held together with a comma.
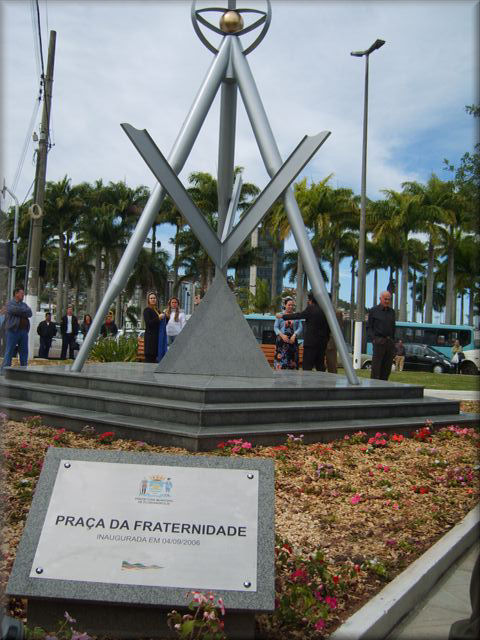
x: 269, y: 353
x: 267, y: 349
x: 141, y: 350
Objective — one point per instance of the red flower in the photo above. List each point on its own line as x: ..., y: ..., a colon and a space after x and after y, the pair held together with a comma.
x: 108, y: 435
x: 300, y: 575
x: 336, y: 579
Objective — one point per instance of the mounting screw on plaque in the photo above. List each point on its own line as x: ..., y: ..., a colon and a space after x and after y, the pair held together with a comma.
x: 39, y: 570
x: 250, y: 476
x: 247, y: 584
x: 67, y: 465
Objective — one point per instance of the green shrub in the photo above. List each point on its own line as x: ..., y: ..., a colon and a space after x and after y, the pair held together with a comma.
x: 111, y: 350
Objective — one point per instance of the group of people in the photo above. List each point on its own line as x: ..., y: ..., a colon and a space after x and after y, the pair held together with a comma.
x: 319, y: 349
x: 161, y: 327
x: 15, y: 327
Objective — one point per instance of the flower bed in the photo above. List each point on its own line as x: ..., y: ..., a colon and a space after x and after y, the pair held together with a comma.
x: 350, y: 515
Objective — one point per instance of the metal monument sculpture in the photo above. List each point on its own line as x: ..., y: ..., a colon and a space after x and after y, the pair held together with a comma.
x: 230, y: 70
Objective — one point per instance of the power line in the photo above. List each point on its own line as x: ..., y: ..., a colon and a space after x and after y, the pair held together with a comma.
x: 40, y: 39
x: 35, y: 39
x: 28, y: 192
x: 26, y: 144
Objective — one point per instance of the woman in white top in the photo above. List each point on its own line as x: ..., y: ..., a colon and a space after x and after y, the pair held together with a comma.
x: 175, y: 319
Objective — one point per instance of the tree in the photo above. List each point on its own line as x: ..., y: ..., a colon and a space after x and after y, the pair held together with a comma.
x: 62, y: 206
x: 150, y: 273
x: 397, y: 217
x: 433, y: 198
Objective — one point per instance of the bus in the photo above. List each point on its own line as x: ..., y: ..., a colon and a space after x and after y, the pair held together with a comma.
x: 262, y: 326
x: 441, y: 337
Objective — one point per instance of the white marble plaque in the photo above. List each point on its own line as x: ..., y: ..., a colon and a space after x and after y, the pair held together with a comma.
x: 151, y: 525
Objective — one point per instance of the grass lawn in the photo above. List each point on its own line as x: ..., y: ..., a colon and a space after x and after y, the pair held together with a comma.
x: 430, y: 380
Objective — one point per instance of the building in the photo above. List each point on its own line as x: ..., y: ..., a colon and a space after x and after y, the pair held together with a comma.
x: 247, y: 277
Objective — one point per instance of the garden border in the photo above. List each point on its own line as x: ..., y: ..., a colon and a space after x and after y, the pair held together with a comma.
x: 383, y: 612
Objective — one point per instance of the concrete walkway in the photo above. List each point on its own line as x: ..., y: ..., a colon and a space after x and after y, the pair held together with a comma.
x: 451, y: 394
x: 447, y: 602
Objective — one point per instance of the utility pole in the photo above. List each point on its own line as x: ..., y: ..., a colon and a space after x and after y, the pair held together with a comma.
x: 40, y: 178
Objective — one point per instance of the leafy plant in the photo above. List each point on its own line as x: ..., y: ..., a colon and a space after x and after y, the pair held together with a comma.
x: 204, y: 622
x: 64, y: 631
x: 112, y: 350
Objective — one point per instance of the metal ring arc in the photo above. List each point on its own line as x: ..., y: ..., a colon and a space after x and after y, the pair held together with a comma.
x: 196, y: 17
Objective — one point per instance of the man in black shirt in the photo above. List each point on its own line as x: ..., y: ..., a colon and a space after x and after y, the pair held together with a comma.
x: 317, y: 333
x: 381, y: 333
x: 46, y: 330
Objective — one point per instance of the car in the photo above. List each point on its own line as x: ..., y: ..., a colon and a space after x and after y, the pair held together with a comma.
x: 421, y: 357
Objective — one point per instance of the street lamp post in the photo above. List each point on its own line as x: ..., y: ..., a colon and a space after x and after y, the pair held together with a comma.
x: 360, y: 315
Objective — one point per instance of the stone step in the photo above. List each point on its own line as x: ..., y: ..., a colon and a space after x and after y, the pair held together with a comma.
x: 231, y: 414
x: 195, y: 438
x: 209, y: 390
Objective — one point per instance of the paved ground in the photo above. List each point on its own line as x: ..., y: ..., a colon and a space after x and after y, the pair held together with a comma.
x: 447, y: 602
x: 451, y: 394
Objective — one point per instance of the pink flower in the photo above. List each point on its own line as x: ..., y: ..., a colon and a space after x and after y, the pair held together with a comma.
x: 221, y: 605
x: 300, y: 575
x: 247, y: 445
x: 395, y: 505
x: 318, y: 595
x: 199, y: 597
x: 320, y: 625
x: 331, y: 601
x: 356, y: 498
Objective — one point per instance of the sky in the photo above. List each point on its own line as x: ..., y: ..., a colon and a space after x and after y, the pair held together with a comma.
x: 142, y: 63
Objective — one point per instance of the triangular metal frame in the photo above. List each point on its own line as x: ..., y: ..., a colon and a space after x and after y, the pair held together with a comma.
x: 229, y: 69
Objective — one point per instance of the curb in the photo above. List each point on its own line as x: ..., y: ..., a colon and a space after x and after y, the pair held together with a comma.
x: 380, y: 615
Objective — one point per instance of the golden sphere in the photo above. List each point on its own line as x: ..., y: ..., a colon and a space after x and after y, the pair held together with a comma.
x: 231, y: 22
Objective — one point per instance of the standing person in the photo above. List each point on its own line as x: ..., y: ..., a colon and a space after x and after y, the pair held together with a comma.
x: 196, y: 301
x: 109, y: 328
x: 331, y: 351
x: 399, y: 356
x: 286, y: 344
x: 17, y: 326
x: 69, y: 329
x: 3, y: 315
x: 317, y: 332
x: 155, y: 339
x: 46, y: 330
x: 86, y: 324
x: 175, y: 319
x: 457, y: 355
x: 381, y: 333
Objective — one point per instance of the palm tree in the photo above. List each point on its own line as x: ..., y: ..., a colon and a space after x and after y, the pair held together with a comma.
x: 150, y: 273
x: 397, y: 217
x: 432, y: 200
x: 311, y: 201
x: 62, y: 205
x: 467, y: 256
x: 417, y: 256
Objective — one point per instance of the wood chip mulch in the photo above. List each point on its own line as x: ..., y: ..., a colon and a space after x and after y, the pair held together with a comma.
x: 372, y: 508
